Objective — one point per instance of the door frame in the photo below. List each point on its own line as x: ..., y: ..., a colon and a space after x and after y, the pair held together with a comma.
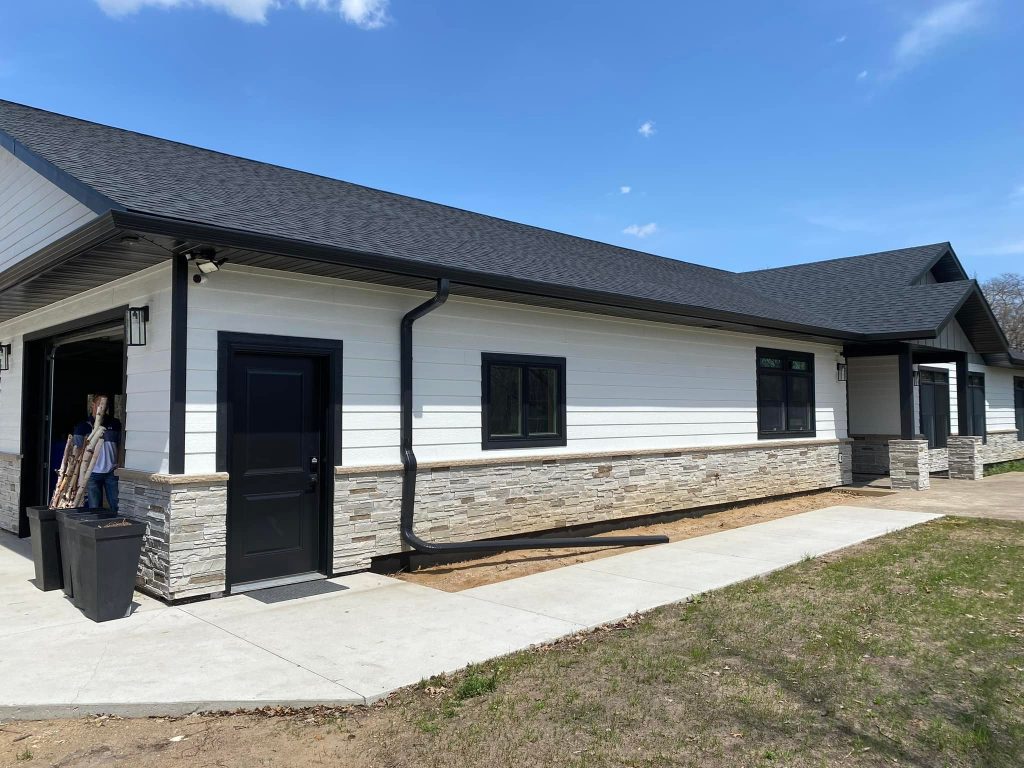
x: 330, y: 354
x: 36, y: 396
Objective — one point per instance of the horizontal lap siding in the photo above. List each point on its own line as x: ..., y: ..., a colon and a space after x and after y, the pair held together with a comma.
x: 33, y: 211
x: 630, y: 385
x: 148, y: 374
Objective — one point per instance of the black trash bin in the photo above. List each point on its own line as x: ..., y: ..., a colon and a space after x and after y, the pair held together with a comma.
x: 42, y: 525
x: 67, y: 553
x: 104, y: 564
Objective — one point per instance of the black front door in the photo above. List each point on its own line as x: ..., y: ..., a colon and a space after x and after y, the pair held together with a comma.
x: 934, y: 401
x: 275, y: 438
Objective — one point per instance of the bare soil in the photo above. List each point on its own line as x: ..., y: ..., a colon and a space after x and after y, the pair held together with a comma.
x: 455, y: 577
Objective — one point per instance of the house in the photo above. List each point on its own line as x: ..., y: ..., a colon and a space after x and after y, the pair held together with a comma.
x: 289, y: 353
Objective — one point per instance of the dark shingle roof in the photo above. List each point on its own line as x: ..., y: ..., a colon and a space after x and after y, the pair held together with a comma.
x: 873, y: 293
x: 164, y: 178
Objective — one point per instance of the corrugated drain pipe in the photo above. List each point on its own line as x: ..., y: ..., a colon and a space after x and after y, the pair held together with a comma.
x: 409, y: 473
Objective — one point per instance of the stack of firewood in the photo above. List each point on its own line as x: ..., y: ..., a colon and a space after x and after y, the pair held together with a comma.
x: 78, y: 463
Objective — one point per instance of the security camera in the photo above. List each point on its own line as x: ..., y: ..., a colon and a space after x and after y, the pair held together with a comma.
x: 199, y: 279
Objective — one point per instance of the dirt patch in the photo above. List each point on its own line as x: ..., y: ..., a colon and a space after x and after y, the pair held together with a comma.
x: 455, y: 577
x: 277, y: 737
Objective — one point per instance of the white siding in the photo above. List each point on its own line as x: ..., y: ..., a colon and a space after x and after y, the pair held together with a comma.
x: 33, y: 211
x: 950, y: 337
x: 148, y: 377
x: 630, y: 385
x: 874, y: 392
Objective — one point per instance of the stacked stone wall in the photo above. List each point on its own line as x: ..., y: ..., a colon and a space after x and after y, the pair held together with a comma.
x: 485, y: 499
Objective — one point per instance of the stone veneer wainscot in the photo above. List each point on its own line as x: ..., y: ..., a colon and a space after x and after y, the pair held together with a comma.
x: 485, y: 498
x: 185, y: 551
x: 10, y: 491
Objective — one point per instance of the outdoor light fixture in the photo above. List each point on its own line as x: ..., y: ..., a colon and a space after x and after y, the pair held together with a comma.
x: 135, y: 319
x: 209, y: 267
x: 5, y: 357
x: 917, y: 377
x: 840, y: 371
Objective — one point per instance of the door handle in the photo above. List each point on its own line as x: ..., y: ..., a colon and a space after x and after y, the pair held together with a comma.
x: 314, y: 473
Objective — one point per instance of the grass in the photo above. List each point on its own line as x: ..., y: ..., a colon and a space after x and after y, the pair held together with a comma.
x: 1004, y: 466
x: 904, y: 651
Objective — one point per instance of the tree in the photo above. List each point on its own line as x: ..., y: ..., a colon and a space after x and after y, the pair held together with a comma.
x: 1006, y: 295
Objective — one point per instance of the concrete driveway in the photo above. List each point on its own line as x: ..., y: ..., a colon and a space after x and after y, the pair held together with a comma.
x: 357, y: 638
x: 1000, y: 497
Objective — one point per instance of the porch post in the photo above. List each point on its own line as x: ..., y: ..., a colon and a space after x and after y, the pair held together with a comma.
x: 179, y: 361
x: 963, y: 407
x: 906, y: 373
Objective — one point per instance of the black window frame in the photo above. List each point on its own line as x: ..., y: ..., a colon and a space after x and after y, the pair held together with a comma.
x: 1018, y: 410
x: 523, y: 362
x: 787, y: 356
x: 972, y: 389
x: 923, y: 372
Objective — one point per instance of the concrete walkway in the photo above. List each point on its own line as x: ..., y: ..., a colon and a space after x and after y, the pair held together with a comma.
x: 356, y: 638
x: 1000, y: 497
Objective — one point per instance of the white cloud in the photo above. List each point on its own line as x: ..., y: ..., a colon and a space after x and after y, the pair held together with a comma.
x: 934, y: 28
x: 625, y: 190
x: 862, y: 75
x: 368, y: 14
x: 641, y: 230
x: 647, y: 129
x: 840, y: 39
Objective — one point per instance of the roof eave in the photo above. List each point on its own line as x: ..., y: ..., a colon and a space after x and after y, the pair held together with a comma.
x: 171, y: 227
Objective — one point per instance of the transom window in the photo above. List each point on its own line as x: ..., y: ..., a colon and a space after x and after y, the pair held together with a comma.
x: 523, y: 401
x: 785, y: 394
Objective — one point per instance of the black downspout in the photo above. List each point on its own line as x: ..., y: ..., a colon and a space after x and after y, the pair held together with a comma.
x: 409, y: 469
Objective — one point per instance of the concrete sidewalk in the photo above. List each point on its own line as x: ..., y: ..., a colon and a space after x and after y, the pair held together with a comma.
x: 354, y: 639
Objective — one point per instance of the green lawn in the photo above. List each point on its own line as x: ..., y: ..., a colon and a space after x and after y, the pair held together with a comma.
x: 906, y: 651
x: 1004, y: 466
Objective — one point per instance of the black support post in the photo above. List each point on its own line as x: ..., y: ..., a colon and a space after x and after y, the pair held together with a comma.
x: 179, y: 362
x: 906, y: 366
x: 963, y: 403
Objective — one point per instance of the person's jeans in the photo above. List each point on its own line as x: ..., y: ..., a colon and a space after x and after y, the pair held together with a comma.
x: 101, y: 483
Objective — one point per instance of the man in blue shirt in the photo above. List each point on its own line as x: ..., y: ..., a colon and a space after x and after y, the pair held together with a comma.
x: 102, y: 481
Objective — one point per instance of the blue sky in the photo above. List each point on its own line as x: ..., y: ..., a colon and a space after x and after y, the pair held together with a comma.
x: 735, y: 134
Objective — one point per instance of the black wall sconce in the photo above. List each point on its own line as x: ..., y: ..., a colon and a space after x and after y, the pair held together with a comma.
x: 135, y: 319
x: 841, y: 372
x: 5, y: 357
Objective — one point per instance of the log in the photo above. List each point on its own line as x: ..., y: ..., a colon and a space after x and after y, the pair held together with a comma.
x: 89, y: 459
x: 68, y: 451
x: 70, y: 478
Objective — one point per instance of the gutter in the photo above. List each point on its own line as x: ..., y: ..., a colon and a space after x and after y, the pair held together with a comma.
x: 409, y: 468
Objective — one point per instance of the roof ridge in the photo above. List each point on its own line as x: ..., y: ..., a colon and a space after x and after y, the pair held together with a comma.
x: 944, y: 243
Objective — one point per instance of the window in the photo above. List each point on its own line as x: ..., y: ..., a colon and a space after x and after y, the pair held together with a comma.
x: 976, y: 405
x: 933, y: 394
x: 785, y: 394
x: 523, y: 401
x: 1018, y: 405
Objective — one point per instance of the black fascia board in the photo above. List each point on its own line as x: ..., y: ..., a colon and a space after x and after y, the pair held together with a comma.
x: 82, y: 192
x: 947, y: 252
x: 161, y: 225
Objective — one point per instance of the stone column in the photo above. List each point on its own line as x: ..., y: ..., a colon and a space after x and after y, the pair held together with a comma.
x: 10, y: 491
x: 909, y: 465
x: 965, y: 459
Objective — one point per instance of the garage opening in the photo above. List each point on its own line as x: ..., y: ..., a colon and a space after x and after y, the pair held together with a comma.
x: 62, y: 373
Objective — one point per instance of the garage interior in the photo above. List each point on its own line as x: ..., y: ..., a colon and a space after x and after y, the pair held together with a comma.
x: 62, y: 372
